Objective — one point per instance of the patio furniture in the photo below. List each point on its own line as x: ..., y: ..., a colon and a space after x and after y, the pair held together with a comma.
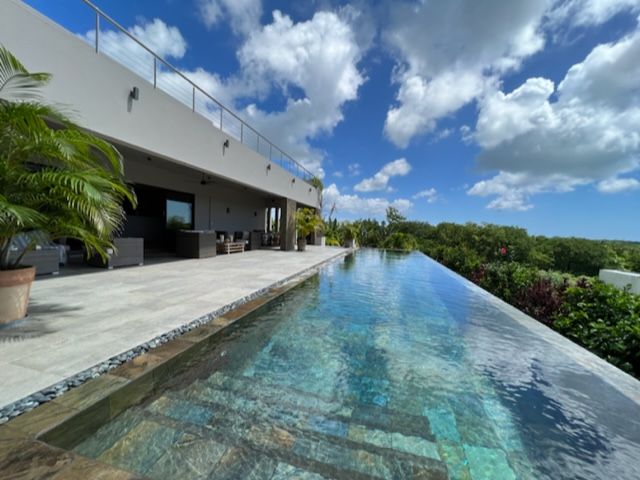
x: 129, y: 251
x: 196, y: 243
x: 230, y: 247
x: 45, y: 255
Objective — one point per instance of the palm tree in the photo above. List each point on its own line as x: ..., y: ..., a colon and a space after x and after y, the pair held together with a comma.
x: 307, y: 222
x: 54, y: 177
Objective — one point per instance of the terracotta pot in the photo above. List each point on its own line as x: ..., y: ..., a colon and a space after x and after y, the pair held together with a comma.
x: 15, y: 286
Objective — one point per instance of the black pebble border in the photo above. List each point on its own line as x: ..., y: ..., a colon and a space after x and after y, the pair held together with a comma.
x: 43, y: 396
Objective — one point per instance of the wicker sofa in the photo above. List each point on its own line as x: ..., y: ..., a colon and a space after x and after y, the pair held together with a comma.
x: 129, y: 251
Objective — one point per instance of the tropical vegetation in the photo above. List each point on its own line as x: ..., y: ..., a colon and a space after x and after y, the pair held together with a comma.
x: 54, y: 177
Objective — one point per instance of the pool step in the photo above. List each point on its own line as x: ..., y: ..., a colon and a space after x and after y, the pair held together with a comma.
x: 370, y: 415
x: 326, y: 455
x: 253, y: 418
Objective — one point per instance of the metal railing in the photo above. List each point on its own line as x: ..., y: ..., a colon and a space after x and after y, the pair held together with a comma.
x: 165, y: 76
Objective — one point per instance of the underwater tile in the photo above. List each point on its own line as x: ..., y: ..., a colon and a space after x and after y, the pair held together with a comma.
x: 108, y: 434
x: 190, y: 458
x: 489, y: 463
x: 503, y: 424
x: 327, y: 426
x: 239, y: 463
x: 414, y: 445
x: 141, y: 447
x: 443, y: 424
x: 457, y: 464
x: 182, y: 410
x: 289, y: 472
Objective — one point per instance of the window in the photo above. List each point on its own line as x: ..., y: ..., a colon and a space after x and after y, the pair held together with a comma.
x: 179, y: 215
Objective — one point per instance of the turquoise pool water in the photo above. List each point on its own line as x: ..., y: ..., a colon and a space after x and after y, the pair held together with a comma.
x: 384, y: 365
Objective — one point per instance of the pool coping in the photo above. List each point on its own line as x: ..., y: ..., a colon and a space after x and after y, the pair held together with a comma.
x: 34, y: 443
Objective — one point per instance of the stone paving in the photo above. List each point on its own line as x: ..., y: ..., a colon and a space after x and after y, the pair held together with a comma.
x: 76, y: 322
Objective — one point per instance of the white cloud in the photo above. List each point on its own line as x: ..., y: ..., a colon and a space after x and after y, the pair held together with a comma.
x: 589, y: 12
x: 450, y: 53
x: 513, y: 190
x: 242, y: 15
x: 380, y: 181
x: 354, y: 169
x: 590, y: 133
x: 431, y: 194
x: 355, y: 205
x: 338, y: 174
x: 319, y: 57
x: 617, y: 185
x: 164, y: 40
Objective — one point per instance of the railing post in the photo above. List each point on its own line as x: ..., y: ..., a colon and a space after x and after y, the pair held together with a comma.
x: 220, y: 117
x: 155, y: 71
x: 241, y: 132
x: 193, y: 98
x: 270, y: 148
x: 97, y: 31
x: 258, y: 142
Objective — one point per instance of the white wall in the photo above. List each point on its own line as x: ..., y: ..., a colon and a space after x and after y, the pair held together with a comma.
x: 211, y: 201
x: 621, y: 279
x: 98, y: 88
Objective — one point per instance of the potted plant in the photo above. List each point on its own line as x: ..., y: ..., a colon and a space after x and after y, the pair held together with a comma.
x: 61, y: 181
x: 307, y: 221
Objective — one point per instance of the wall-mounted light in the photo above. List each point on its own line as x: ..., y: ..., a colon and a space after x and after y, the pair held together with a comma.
x: 268, y: 167
x: 134, y: 94
x: 293, y: 180
x: 226, y: 143
x: 255, y: 214
x: 228, y: 210
x: 310, y: 189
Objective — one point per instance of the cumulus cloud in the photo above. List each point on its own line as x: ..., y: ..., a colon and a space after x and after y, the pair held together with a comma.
x: 319, y: 57
x: 380, y: 181
x: 450, y: 53
x: 242, y: 15
x: 617, y: 185
x: 355, y: 205
x: 590, y: 133
x: 166, y: 41
x: 589, y: 12
x: 430, y: 194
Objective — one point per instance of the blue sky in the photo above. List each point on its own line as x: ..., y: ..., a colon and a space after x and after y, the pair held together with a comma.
x: 522, y: 113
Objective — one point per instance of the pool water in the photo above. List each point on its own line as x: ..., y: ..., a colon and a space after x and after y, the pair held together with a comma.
x: 384, y: 365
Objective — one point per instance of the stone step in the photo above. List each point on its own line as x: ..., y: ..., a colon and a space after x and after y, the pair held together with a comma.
x: 321, y: 454
x: 371, y: 415
x: 369, y: 428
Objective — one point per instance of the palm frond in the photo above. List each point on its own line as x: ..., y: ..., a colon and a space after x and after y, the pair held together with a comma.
x: 16, y: 83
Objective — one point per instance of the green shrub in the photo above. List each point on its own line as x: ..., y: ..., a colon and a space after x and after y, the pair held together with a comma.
x: 400, y: 241
x: 605, y: 320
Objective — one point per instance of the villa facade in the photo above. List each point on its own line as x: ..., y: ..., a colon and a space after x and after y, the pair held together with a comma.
x: 194, y: 163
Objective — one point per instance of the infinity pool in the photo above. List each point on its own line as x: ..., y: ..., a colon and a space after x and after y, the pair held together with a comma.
x: 384, y: 365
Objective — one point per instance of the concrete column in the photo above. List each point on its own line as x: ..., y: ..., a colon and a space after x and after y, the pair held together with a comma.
x: 288, y: 224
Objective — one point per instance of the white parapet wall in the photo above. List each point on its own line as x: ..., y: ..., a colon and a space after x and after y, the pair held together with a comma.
x: 97, y: 90
x: 621, y: 279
